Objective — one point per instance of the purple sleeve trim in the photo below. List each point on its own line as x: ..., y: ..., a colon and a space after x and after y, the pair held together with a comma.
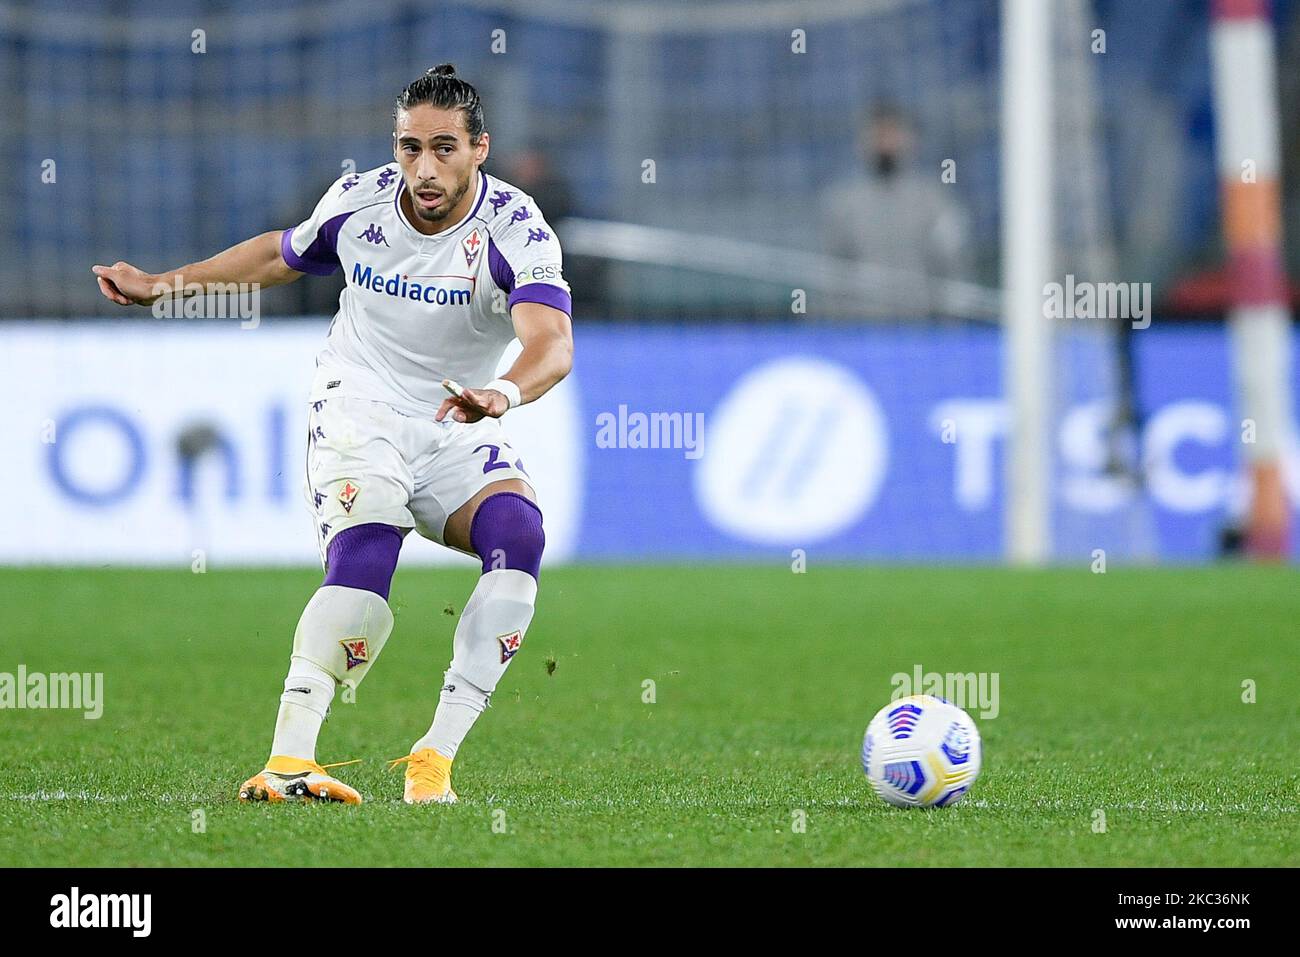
x: 546, y: 294
x: 320, y: 258
x: 542, y: 292
x: 502, y: 274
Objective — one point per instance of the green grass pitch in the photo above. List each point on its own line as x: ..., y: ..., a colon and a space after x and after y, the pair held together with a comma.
x: 1119, y: 693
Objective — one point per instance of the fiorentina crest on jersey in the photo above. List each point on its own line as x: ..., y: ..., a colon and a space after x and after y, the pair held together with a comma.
x: 472, y: 246
x: 510, y: 645
x: 357, y: 650
x: 347, y: 495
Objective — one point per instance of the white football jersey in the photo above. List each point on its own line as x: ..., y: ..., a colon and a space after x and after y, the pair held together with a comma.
x: 418, y: 309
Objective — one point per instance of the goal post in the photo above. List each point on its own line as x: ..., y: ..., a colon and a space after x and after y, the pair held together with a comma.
x: 1244, y: 78
x: 1026, y: 265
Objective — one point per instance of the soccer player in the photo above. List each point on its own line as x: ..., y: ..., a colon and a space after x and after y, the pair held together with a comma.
x: 445, y: 266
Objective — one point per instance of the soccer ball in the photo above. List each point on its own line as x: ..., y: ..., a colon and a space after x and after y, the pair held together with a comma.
x: 921, y: 751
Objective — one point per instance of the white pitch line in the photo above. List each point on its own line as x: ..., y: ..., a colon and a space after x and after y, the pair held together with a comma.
x: 97, y: 797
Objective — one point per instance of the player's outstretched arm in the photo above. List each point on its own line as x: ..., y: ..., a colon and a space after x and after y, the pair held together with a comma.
x: 547, y: 357
x: 257, y: 260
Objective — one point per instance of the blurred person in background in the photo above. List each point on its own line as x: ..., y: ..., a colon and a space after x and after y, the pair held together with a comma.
x: 534, y: 170
x: 906, y: 225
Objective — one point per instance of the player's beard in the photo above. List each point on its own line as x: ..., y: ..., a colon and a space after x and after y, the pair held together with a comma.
x: 450, y: 201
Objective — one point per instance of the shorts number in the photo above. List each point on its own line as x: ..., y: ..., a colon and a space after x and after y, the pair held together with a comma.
x: 493, y: 462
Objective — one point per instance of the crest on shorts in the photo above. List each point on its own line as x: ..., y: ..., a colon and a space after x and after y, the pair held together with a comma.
x: 510, y: 645
x: 347, y: 495
x: 357, y: 650
x: 472, y: 245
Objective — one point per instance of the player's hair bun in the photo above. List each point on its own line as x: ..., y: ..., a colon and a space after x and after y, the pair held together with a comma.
x: 440, y: 87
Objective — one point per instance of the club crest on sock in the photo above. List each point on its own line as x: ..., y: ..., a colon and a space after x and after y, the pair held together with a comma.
x: 347, y: 495
x: 357, y: 650
x: 510, y: 645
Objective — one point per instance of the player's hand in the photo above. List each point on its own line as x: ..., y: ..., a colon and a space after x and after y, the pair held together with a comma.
x: 470, y: 405
x: 125, y: 285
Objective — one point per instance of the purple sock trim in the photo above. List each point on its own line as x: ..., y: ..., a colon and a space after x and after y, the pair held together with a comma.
x: 364, y: 556
x: 507, y: 533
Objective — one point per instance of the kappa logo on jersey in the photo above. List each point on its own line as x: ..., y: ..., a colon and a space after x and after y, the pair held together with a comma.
x: 538, y: 235
x: 499, y: 198
x: 385, y: 177
x: 357, y: 650
x: 373, y: 234
x: 510, y: 645
x: 347, y: 495
x: 472, y: 245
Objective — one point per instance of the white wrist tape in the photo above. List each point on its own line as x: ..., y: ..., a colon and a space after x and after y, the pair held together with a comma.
x: 507, y: 389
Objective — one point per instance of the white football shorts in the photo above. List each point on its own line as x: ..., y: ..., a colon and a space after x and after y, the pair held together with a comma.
x: 367, y: 462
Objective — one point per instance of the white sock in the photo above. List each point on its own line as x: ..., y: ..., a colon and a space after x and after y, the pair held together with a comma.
x: 308, y: 691
x: 459, y: 706
x: 339, y: 636
x: 490, y: 632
